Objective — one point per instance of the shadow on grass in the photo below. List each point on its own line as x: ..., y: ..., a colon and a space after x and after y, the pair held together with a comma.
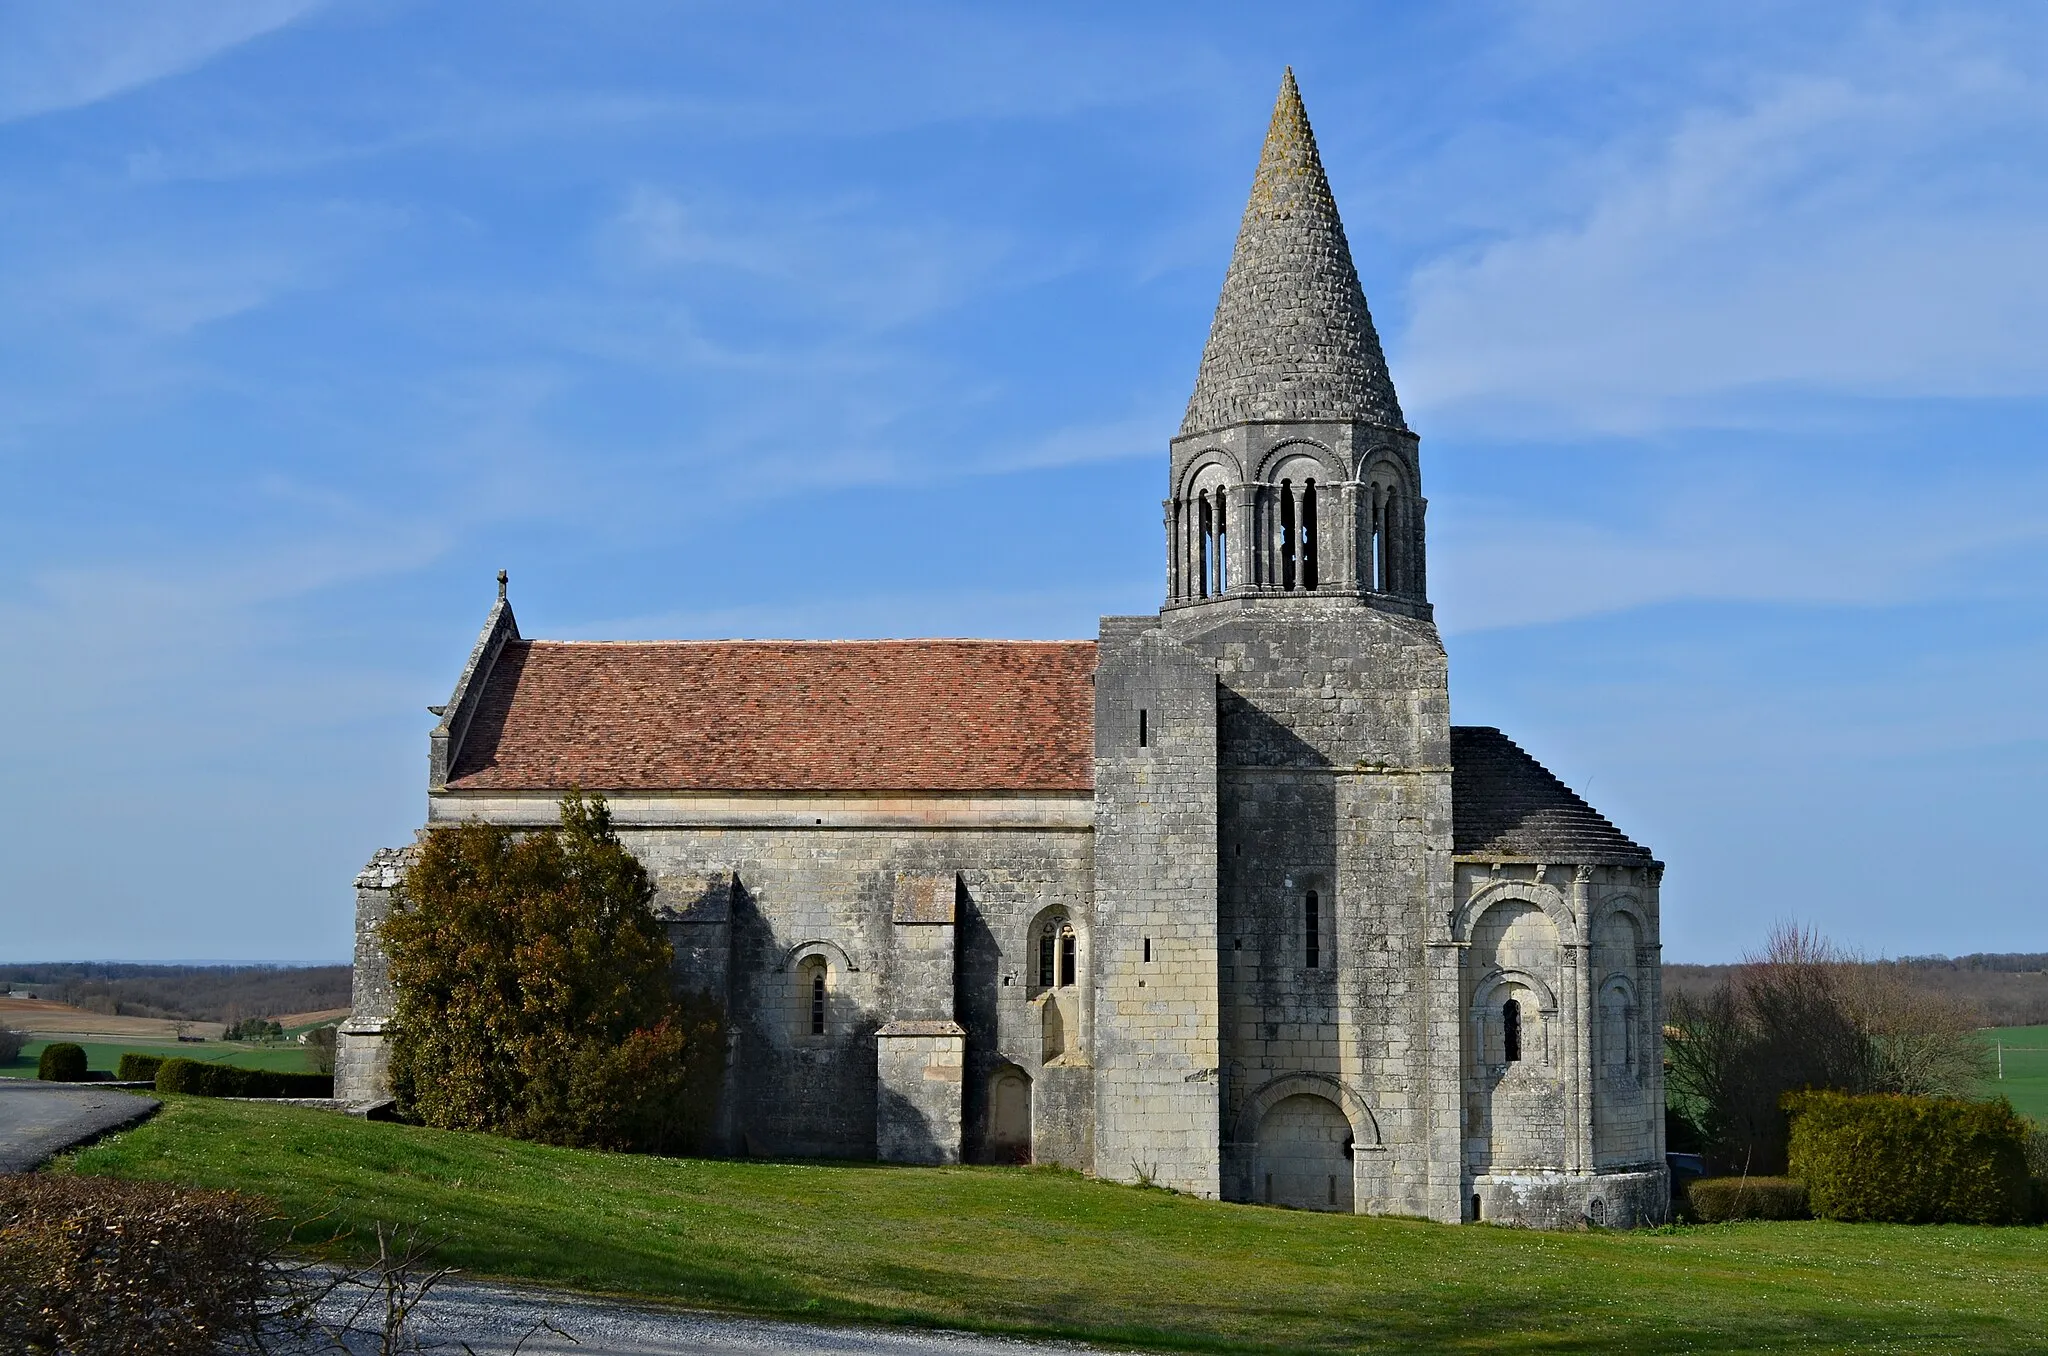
x: 1049, y: 1254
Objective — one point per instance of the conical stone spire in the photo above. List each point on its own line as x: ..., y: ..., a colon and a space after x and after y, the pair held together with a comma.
x: 1292, y: 340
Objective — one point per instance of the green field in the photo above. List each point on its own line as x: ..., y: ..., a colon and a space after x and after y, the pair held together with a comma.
x: 106, y: 1055
x: 2025, y: 1084
x: 1043, y: 1252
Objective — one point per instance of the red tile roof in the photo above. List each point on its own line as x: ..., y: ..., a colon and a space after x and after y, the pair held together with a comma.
x: 778, y: 715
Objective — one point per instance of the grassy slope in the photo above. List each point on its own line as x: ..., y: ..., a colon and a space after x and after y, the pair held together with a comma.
x: 2026, y: 1070
x: 107, y: 1055
x: 1045, y: 1252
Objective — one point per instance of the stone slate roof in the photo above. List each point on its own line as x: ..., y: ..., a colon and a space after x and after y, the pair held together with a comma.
x: 1292, y: 339
x: 1506, y: 804
x: 888, y: 715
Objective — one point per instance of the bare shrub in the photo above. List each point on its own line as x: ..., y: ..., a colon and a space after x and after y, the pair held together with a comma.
x: 11, y: 1043
x: 95, y: 1267
x: 1805, y: 1014
x: 372, y: 1307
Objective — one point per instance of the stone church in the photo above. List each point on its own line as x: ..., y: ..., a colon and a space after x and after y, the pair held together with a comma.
x: 1219, y: 900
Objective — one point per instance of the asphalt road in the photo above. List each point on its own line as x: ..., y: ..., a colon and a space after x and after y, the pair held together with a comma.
x: 492, y: 1319
x: 41, y: 1119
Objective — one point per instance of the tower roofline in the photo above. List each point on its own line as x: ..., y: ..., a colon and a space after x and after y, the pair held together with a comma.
x: 1292, y: 339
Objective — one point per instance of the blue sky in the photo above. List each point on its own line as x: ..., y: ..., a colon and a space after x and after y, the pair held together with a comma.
x: 1723, y: 327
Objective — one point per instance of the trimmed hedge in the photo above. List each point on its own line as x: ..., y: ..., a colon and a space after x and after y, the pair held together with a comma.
x: 62, y: 1062
x: 1910, y: 1160
x: 136, y: 1068
x: 200, y: 1078
x: 1716, y: 1200
x: 89, y: 1265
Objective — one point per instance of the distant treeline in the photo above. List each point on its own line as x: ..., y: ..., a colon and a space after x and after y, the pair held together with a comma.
x: 196, y: 993
x: 2004, y: 989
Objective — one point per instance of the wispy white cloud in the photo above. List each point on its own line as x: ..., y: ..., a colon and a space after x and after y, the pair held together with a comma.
x: 56, y: 54
x: 1860, y: 227
x: 1734, y: 529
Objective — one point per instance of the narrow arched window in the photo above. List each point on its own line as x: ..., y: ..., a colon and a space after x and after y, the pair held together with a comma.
x: 1046, y: 943
x: 1511, y: 1031
x: 1222, y: 542
x: 1287, y: 534
x: 1180, y: 547
x: 1312, y: 920
x: 1308, y: 534
x: 1385, y: 543
x: 1375, y: 544
x: 1202, y: 531
x: 1067, y: 950
x: 818, y: 1002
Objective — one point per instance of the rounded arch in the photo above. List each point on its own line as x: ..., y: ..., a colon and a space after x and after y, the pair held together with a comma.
x: 1365, y: 1129
x: 1332, y: 466
x: 1545, y: 897
x: 1494, y: 984
x: 795, y: 955
x: 1055, y: 950
x: 1008, y: 1134
x: 1208, y: 459
x: 1626, y: 905
x: 1386, y: 467
x: 1618, y: 1012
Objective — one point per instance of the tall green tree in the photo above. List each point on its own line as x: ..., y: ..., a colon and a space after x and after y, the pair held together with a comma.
x: 532, y: 991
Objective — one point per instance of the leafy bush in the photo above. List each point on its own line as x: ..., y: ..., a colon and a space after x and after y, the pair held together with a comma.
x: 90, y: 1265
x: 655, y: 1091
x: 135, y: 1068
x: 532, y: 987
x: 200, y: 1078
x: 1715, y: 1200
x: 1910, y: 1160
x: 10, y: 1044
x: 62, y: 1062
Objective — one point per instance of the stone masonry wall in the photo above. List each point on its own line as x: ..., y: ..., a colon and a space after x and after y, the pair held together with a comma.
x: 1334, y: 776
x: 1155, y: 956
x: 1573, y: 1131
x: 361, y: 1062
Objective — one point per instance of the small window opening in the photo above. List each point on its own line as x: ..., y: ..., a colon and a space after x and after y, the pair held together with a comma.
x: 1148, y: 950
x: 1511, y: 1030
x: 1308, y: 534
x: 1287, y: 534
x: 1066, y: 956
x: 1222, y: 544
x: 1333, y: 1190
x: 1597, y: 1214
x: 1475, y: 1206
x: 1141, y: 727
x: 1202, y: 533
x: 1045, y: 953
x: 818, y: 1003
x: 1312, y: 919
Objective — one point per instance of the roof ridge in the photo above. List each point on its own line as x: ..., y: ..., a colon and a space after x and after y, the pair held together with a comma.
x: 1293, y: 338
x: 773, y: 640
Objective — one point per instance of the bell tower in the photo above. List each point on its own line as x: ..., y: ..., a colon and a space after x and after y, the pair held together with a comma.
x: 1294, y: 473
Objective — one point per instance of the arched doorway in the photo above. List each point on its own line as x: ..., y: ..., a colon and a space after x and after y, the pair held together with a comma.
x: 1304, y: 1155
x: 1009, y: 1116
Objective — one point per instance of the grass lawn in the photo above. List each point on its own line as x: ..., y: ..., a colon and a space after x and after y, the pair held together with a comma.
x: 2025, y: 1083
x: 1041, y: 1252
x: 107, y: 1055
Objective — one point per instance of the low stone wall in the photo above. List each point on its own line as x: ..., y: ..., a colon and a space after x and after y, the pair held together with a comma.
x: 1613, y: 1200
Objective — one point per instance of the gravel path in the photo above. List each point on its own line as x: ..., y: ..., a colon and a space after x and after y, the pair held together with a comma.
x: 41, y: 1119
x: 493, y: 1318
